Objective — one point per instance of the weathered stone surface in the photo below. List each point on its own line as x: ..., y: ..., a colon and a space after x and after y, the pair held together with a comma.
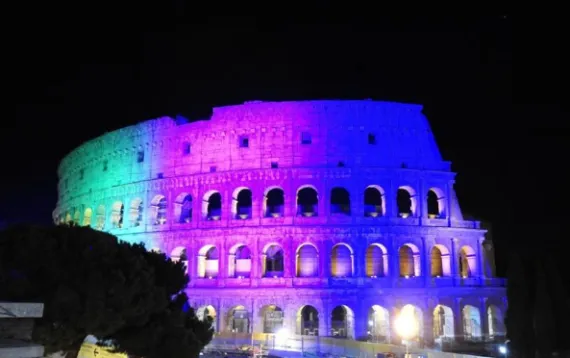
x: 133, y: 183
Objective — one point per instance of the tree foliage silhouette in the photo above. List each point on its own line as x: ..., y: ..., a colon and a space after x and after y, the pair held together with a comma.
x: 91, y: 283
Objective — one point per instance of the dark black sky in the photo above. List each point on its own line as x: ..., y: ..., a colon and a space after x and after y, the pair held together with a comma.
x: 71, y: 80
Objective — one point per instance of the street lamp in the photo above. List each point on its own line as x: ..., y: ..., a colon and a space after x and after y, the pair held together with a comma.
x: 407, y: 325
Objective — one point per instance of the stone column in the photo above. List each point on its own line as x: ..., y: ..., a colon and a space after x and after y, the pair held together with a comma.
x: 481, y: 261
x: 483, y: 317
x: 454, y: 268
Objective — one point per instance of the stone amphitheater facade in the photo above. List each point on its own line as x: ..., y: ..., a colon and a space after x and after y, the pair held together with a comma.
x: 324, y: 218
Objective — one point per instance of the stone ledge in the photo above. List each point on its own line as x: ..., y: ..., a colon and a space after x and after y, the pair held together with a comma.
x: 21, y: 310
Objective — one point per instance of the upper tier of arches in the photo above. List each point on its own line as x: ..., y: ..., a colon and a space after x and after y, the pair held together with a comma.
x: 253, y: 136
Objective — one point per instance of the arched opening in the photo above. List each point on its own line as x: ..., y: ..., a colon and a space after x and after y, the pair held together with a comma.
x: 435, y: 203
x: 159, y: 207
x: 376, y: 261
x: 207, y: 313
x: 440, y: 261
x: 406, y: 202
x: 239, y: 263
x: 87, y: 214
x: 307, y: 201
x: 68, y: 218
x: 443, y: 322
x: 274, y: 203
x: 342, y: 322
x: 238, y: 320
x: 307, y: 261
x: 467, y: 262
x: 374, y: 204
x: 179, y: 255
x: 183, y: 208
x: 496, y: 322
x: 342, y: 261
x: 410, y: 265
x: 308, y: 321
x: 273, y: 261
x: 471, y: 322
x: 340, y: 201
x: 208, y: 262
x: 100, y: 217
x: 212, y: 206
x: 76, y: 217
x: 136, y: 212
x: 412, y: 315
x: 272, y: 318
x: 117, y: 211
x: 378, y: 324
x: 242, y: 204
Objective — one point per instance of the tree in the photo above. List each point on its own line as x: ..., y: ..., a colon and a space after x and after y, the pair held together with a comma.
x: 92, y: 283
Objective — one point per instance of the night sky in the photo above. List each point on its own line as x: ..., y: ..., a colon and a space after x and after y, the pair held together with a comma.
x: 70, y: 81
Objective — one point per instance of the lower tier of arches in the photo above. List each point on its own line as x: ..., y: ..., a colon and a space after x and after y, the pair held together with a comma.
x: 466, y: 315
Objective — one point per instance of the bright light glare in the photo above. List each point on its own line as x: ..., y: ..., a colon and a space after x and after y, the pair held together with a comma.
x: 503, y: 349
x: 406, y: 323
x: 282, y: 336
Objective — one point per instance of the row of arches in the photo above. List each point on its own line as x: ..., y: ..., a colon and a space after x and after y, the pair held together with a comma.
x: 445, y: 325
x: 307, y: 205
x: 342, y: 261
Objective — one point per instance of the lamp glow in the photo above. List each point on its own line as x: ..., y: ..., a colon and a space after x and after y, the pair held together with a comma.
x: 406, y: 323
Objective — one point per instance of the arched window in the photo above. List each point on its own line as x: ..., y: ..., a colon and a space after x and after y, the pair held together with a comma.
x: 340, y: 201
x: 307, y: 202
x: 274, y: 203
x: 373, y: 202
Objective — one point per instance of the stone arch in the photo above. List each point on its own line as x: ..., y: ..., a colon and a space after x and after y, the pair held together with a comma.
x: 242, y: 203
x: 443, y: 326
x: 340, y: 201
x: 239, y: 261
x: 208, y: 262
x: 238, y: 320
x: 272, y: 317
x: 77, y: 216
x: 342, y: 322
x: 117, y: 213
x: 183, y: 208
x: 136, y: 212
x: 471, y: 319
x: 100, y: 217
x: 374, y: 203
x: 209, y: 313
x: 411, y: 318
x: 87, y: 214
x: 307, y: 201
x: 179, y: 255
x: 159, y: 210
x: 406, y: 201
x: 440, y: 261
x: 435, y: 203
x: 212, y: 205
x: 376, y: 260
x: 307, y: 261
x: 307, y: 321
x: 273, y: 261
x: 379, y: 324
x: 342, y: 260
x: 467, y: 262
x: 274, y: 202
x: 496, y: 322
x: 410, y: 261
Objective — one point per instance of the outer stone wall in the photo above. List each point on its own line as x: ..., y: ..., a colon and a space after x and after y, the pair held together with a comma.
x: 350, y: 241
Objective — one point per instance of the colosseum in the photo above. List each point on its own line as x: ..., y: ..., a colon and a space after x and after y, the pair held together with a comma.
x: 322, y: 218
